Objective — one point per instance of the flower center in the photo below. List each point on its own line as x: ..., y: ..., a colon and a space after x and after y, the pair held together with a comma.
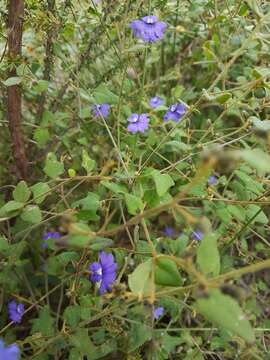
x: 150, y: 19
x: 134, y: 118
x: 173, y: 108
x: 99, y: 271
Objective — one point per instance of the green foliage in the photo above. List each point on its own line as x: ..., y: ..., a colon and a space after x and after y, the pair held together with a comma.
x: 91, y: 186
x: 141, y: 281
x: 166, y: 272
x: 225, y: 313
x: 208, y: 250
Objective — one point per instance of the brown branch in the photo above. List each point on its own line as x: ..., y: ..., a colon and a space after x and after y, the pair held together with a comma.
x: 14, y: 101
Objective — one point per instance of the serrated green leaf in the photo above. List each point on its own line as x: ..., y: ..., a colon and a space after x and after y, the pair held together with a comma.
x: 116, y: 188
x: 237, y: 211
x: 100, y: 243
x: 257, y: 159
x: 3, y: 244
x: 79, y: 240
x: 138, y: 335
x: 31, y: 214
x: 41, y: 86
x: 252, y: 210
x: 40, y: 191
x: 134, y: 203
x: 259, y: 124
x: 81, y: 340
x: 87, y: 163
x: 162, y: 181
x: 44, y: 324
x: 15, y: 80
x: 103, y: 95
x: 140, y: 282
x: 53, y: 168
x: 225, y: 312
x: 166, y: 272
x: 208, y: 257
x: 10, y: 208
x: 72, y: 315
x: 41, y: 136
x: 21, y: 193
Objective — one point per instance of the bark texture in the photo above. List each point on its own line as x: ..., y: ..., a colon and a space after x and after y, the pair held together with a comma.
x: 14, y: 101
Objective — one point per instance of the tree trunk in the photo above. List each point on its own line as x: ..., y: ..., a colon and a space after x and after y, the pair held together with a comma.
x: 14, y: 102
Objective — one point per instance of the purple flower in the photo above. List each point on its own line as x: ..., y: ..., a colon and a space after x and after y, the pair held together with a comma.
x: 158, y: 312
x: 169, y: 231
x: 156, y: 101
x: 11, y: 352
x: 175, y: 112
x: 104, y: 272
x: 15, y: 311
x: 49, y: 235
x: 138, y: 123
x: 212, y: 180
x: 101, y: 110
x: 148, y: 29
x: 197, y: 235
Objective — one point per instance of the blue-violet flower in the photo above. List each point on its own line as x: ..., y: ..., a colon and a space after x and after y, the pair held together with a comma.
x: 175, y: 112
x: 15, y: 312
x: 11, y: 352
x: 102, y: 110
x: 197, y: 235
x: 169, y: 231
x: 48, y: 236
x: 158, y: 312
x: 155, y: 102
x: 212, y: 180
x: 138, y: 123
x: 148, y: 29
x: 104, y: 272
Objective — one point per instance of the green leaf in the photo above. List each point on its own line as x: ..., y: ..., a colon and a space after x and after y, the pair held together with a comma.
x: 257, y: 159
x: 223, y: 98
x: 138, y: 335
x: 41, y: 86
x: 11, y: 208
x: 115, y: 188
x: 40, y: 191
x: 140, y: 282
x: 41, y: 136
x: 21, y: 193
x: 162, y: 181
x: 103, y: 95
x: 87, y: 163
x: 237, y: 211
x: 44, y: 324
x: 31, y: 214
x: 72, y: 315
x: 79, y: 240
x: 100, y: 243
x: 252, y: 210
x: 259, y: 124
x: 3, y: 244
x: 166, y: 272
x: 208, y: 257
x: 12, y: 81
x: 134, y: 203
x: 53, y: 168
x: 82, y: 342
x: 225, y: 312
x: 56, y: 264
x: 169, y: 343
